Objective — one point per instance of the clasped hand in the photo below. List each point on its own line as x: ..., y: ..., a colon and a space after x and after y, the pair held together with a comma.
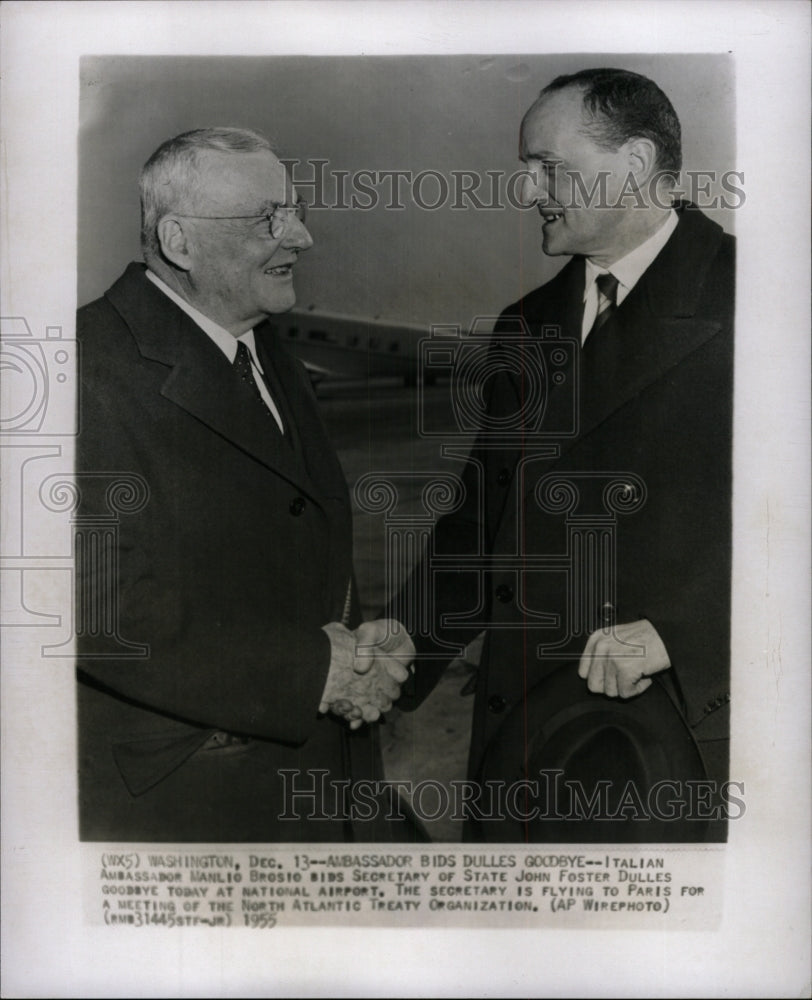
x: 367, y: 668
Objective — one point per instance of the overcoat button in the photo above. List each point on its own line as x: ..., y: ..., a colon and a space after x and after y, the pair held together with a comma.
x: 496, y: 703
x: 297, y: 506
x: 504, y: 477
x: 504, y: 593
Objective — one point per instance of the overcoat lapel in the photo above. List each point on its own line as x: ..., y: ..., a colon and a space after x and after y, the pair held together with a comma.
x: 554, y: 311
x: 635, y: 352
x: 653, y: 330
x: 561, y: 308
x: 201, y: 380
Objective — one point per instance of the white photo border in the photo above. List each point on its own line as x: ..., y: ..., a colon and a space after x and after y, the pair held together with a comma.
x: 762, y: 947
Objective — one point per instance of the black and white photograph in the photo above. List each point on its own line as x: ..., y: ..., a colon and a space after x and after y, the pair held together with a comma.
x: 405, y: 512
x: 215, y: 668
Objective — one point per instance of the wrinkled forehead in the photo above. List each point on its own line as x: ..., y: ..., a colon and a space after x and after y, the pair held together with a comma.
x: 240, y: 183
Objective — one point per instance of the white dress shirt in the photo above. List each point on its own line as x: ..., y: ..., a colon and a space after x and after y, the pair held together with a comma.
x: 224, y: 340
x: 628, y: 271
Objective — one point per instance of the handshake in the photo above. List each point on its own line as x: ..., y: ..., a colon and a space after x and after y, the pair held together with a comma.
x: 367, y: 668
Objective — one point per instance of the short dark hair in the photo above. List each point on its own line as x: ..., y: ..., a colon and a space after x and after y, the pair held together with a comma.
x: 620, y: 105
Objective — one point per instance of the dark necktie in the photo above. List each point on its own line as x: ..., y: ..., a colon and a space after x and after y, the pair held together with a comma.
x: 607, y: 305
x: 244, y: 369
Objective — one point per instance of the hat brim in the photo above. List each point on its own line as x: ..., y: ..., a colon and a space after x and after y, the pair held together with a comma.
x: 578, y: 767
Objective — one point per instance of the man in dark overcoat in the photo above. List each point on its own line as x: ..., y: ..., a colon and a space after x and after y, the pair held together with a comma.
x: 219, y: 697
x: 597, y: 500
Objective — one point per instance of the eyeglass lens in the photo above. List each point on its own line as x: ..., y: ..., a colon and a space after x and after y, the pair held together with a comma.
x: 280, y: 220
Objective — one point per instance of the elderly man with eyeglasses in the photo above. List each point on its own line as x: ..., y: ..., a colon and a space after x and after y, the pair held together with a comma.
x: 220, y: 695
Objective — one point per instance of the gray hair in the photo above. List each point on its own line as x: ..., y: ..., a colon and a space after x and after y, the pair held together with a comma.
x: 172, y: 173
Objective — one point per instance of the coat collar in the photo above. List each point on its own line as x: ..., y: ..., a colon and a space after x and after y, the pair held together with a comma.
x: 657, y: 325
x: 201, y: 382
x: 654, y: 329
x: 675, y: 280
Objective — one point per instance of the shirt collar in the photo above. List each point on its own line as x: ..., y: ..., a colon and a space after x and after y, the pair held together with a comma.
x: 631, y: 268
x: 224, y: 340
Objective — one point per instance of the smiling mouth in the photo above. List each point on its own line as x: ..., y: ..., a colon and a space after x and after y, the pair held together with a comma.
x: 550, y: 217
x: 282, y: 271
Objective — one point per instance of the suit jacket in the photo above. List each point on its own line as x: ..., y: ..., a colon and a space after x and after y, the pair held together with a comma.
x: 204, y: 577
x: 630, y: 519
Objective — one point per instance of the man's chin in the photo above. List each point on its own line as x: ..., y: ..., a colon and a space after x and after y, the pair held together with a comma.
x: 554, y: 239
x: 552, y: 248
x: 281, y: 304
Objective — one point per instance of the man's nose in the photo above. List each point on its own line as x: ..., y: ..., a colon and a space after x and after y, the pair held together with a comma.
x: 297, y: 236
x: 532, y: 189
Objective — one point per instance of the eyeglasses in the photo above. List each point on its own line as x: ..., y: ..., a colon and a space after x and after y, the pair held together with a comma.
x: 278, y: 217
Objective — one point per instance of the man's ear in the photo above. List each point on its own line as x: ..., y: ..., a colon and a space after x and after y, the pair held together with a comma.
x: 642, y: 159
x: 174, y: 243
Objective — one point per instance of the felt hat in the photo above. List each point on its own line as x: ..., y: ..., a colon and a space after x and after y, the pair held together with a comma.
x: 576, y: 767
